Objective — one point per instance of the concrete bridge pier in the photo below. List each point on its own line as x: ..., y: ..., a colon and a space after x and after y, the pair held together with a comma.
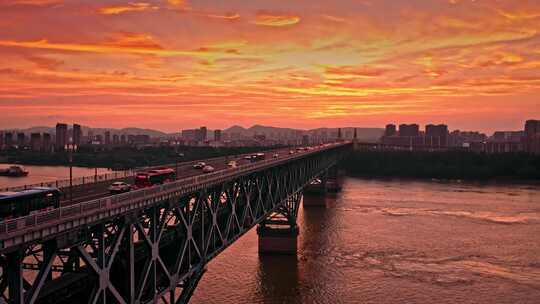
x: 316, y: 193
x: 278, y: 233
x: 334, y: 180
x: 278, y: 240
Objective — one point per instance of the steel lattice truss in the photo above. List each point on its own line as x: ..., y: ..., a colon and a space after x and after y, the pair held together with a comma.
x: 157, y: 254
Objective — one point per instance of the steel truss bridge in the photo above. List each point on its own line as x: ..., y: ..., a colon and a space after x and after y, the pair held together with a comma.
x: 151, y: 245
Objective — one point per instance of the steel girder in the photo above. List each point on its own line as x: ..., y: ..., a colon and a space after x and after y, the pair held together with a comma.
x: 157, y: 254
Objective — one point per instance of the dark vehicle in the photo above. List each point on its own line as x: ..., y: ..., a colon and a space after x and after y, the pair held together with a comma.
x: 199, y: 165
x: 20, y: 203
x: 257, y: 157
x: 14, y: 171
x: 154, y: 177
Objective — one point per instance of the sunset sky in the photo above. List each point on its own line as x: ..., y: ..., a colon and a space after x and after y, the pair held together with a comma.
x: 175, y: 64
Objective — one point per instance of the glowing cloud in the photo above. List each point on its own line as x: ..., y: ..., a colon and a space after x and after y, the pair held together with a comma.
x: 275, y: 19
x: 131, y: 7
x: 171, y: 64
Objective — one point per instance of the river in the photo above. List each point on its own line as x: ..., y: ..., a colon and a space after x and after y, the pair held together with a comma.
x: 40, y: 174
x: 384, y: 241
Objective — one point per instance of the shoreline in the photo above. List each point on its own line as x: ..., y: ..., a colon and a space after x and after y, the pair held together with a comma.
x: 475, y: 182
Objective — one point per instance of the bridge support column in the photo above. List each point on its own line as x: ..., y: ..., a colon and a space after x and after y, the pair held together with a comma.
x: 334, y: 180
x: 277, y: 240
x: 278, y: 234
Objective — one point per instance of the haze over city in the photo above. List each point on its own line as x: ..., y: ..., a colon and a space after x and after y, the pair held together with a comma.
x: 171, y: 65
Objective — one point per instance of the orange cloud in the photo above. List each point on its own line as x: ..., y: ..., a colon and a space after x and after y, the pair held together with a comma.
x: 275, y: 19
x: 355, y: 71
x: 228, y: 16
x: 131, y: 7
x: 31, y: 2
x: 133, y: 45
x: 182, y: 4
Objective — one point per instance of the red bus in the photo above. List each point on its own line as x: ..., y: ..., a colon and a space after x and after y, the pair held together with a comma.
x: 154, y: 177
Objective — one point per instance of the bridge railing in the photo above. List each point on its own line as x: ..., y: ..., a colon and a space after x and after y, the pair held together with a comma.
x: 97, y: 178
x: 134, y: 197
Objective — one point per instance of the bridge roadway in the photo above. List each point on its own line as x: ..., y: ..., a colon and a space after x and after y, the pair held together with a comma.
x: 91, y: 191
x: 92, y: 232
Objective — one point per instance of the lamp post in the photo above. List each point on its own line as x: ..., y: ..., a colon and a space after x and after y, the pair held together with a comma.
x: 178, y: 155
x: 70, y: 147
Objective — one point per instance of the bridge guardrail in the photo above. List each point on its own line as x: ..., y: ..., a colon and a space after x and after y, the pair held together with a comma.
x: 92, y: 179
x: 80, y: 209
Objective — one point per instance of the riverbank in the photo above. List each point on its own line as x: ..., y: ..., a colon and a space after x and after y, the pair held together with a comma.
x: 123, y: 158
x: 506, y: 167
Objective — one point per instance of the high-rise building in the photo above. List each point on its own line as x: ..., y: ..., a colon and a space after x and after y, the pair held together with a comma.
x: 532, y: 136
x: 123, y: 139
x: 305, y: 140
x: 61, y: 136
x: 412, y: 130
x: 217, y: 135
x: 202, y: 134
x: 115, y: 139
x: 436, y: 135
x: 107, y: 138
x: 77, y: 134
x: 47, y: 142
x: 339, y: 136
x: 390, y: 130
x: 8, y: 139
x: 35, y: 141
x: 90, y: 136
x: 21, y: 139
x: 191, y: 134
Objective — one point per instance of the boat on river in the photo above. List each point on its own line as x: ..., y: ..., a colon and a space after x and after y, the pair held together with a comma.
x: 13, y: 171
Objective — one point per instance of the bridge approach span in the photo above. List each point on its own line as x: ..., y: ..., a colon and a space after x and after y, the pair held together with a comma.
x: 151, y: 245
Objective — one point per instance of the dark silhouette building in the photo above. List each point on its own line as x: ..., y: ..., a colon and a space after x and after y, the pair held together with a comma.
x: 202, y: 134
x: 35, y: 141
x: 61, y: 136
x: 217, y: 135
x: 412, y: 130
x: 8, y: 139
x: 46, y: 142
x: 436, y: 136
x: 77, y: 134
x: 107, y: 138
x: 21, y: 140
x: 532, y: 136
x: 390, y: 130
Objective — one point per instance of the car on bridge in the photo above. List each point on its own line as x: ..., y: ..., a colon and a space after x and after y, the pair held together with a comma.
x: 119, y: 187
x: 257, y: 157
x: 275, y: 155
x: 208, y: 169
x: 232, y: 164
x: 291, y: 151
x: 199, y: 165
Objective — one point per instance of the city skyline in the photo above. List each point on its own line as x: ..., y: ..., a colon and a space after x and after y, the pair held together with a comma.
x: 176, y: 64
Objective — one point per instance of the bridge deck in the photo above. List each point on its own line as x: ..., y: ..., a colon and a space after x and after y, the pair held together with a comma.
x: 46, y: 224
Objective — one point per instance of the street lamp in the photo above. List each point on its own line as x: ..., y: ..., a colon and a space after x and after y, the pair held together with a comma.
x: 70, y: 147
x: 178, y: 155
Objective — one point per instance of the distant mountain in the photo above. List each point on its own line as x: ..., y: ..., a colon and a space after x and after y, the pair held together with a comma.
x: 364, y: 134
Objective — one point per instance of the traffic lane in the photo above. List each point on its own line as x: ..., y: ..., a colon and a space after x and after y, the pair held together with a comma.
x: 185, y: 171
x: 100, y: 190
